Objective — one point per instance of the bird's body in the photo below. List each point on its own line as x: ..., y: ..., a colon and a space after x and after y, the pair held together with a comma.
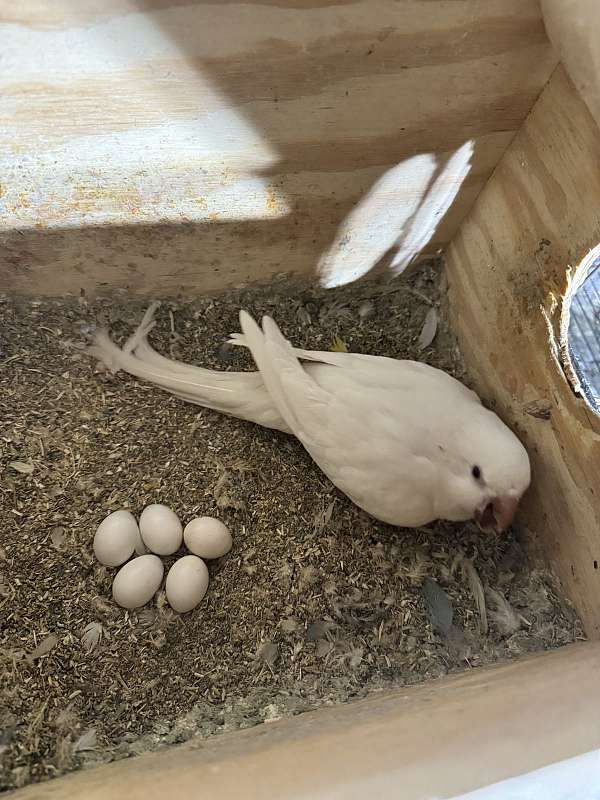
x: 404, y: 441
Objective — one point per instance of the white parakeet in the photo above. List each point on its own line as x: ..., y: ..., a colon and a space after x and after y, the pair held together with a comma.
x: 404, y: 441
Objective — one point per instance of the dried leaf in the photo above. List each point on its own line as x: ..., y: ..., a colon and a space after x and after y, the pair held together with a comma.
x: 439, y: 606
x: 43, y: 648
x: 429, y: 329
x: 25, y: 468
x: 338, y: 346
x: 92, y: 636
x: 87, y: 741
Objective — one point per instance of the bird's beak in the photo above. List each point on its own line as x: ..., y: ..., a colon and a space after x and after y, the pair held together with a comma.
x: 505, y: 509
x: 497, y: 515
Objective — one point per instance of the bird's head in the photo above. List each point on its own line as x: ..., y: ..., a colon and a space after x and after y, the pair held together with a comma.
x: 486, y: 472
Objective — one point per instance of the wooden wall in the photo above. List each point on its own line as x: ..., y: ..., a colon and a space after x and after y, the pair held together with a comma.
x: 538, y: 214
x: 173, y: 145
x: 573, y: 27
x: 440, y: 739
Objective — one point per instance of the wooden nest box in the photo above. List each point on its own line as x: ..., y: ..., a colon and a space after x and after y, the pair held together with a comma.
x: 176, y: 147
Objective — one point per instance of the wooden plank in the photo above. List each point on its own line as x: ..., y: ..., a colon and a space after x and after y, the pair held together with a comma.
x: 189, y: 146
x: 574, y: 30
x: 435, y: 740
x: 536, y: 216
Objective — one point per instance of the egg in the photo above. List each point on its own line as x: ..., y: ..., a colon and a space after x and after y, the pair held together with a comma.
x: 186, y: 583
x: 207, y: 537
x: 116, y: 538
x: 161, y: 530
x: 138, y: 581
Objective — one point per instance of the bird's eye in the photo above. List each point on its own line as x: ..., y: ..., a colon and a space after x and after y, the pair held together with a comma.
x: 476, y: 472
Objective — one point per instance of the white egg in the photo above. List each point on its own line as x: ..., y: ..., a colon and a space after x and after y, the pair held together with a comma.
x: 207, y: 537
x: 186, y: 583
x: 116, y: 538
x: 161, y: 530
x: 138, y: 581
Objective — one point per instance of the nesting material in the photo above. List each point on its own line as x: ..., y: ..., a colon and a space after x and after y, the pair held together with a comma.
x: 318, y: 603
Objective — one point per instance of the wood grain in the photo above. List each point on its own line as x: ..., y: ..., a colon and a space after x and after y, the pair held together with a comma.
x: 435, y: 740
x: 537, y: 216
x: 574, y: 30
x: 241, y: 133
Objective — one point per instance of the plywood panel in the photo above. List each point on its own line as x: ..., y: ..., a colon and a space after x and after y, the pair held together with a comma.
x: 574, y: 29
x: 538, y: 214
x: 181, y: 146
x: 436, y: 740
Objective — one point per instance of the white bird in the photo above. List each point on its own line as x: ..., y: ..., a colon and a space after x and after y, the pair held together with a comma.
x: 406, y: 442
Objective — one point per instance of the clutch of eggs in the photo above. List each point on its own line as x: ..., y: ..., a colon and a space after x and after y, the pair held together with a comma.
x: 160, y: 531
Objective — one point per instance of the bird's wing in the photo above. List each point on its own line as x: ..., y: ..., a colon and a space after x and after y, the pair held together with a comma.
x: 324, y: 356
x: 297, y: 397
x: 374, y: 429
x: 380, y: 370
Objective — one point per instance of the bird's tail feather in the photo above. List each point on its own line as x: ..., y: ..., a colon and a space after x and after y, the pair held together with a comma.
x: 240, y: 394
